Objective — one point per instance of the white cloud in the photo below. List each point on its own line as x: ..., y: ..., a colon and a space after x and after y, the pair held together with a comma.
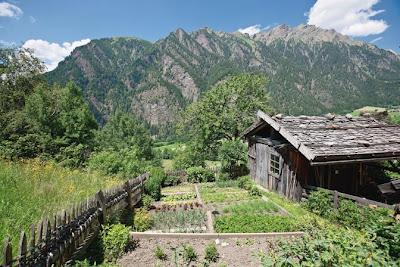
x: 32, y: 19
x: 376, y: 39
x: 251, y: 30
x: 10, y: 10
x: 52, y: 53
x: 353, y: 18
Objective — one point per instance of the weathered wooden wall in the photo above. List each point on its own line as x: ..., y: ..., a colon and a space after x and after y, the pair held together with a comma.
x: 59, y: 239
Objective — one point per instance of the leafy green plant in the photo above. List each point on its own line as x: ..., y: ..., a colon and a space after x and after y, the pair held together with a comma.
x: 142, y: 220
x: 178, y: 197
x: 254, y: 191
x: 115, y: 239
x: 147, y: 201
x: 233, y: 157
x: 159, y: 253
x: 245, y: 182
x: 171, y: 180
x: 199, y: 175
x: 320, y: 203
x: 211, y: 253
x: 189, y: 254
x: 252, y: 207
x: 153, y: 184
x: 254, y: 223
x: 180, y: 220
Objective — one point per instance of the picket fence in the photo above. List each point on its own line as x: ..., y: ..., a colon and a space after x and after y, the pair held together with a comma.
x: 60, y: 239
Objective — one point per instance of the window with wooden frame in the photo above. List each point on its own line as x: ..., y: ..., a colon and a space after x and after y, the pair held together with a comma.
x: 275, y: 164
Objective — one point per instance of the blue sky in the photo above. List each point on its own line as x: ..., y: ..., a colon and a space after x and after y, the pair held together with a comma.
x: 55, y: 22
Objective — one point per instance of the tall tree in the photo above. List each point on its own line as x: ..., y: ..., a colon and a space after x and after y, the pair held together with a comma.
x: 225, y: 111
x: 123, y: 131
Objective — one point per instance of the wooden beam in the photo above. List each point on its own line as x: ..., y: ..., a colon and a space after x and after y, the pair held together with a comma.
x: 318, y: 163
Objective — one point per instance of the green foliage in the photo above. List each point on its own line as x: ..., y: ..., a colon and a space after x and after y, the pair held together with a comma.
x: 179, y: 197
x: 189, y: 254
x: 147, y: 201
x: 199, y: 175
x: 252, y: 207
x: 54, y: 123
x: 245, y: 182
x: 160, y: 254
x: 142, y: 220
x: 32, y: 189
x: 320, y: 203
x: 153, y: 185
x: 233, y: 157
x: 224, y: 112
x: 254, y: 191
x: 184, y: 221
x: 210, y: 193
x: 211, y: 253
x: 254, y: 223
x: 125, y: 162
x: 123, y: 131
x: 190, y: 157
x: 171, y: 180
x: 328, y: 247
x: 115, y: 240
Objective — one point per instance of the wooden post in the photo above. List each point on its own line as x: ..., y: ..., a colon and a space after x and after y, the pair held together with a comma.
x: 129, y: 197
x: 101, y: 205
x: 22, y: 249
x: 32, y: 239
x: 335, y: 199
x: 7, y: 253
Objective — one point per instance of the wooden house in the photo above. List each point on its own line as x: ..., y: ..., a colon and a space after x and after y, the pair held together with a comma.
x: 288, y: 154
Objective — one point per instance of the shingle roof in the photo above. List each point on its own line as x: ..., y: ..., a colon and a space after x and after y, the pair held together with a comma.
x: 337, y: 138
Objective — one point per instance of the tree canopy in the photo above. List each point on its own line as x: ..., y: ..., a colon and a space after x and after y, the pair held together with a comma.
x: 225, y: 111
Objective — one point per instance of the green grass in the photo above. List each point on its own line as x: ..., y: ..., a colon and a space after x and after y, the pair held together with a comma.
x: 252, y: 207
x: 32, y: 190
x: 168, y: 164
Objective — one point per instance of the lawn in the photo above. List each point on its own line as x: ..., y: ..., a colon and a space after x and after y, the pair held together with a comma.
x: 32, y: 190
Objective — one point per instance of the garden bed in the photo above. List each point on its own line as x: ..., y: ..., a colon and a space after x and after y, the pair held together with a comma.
x: 232, y: 251
x: 179, y: 221
x: 210, y: 193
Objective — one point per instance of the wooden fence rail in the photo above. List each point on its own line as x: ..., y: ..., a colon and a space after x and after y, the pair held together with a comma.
x: 59, y: 239
x: 337, y: 194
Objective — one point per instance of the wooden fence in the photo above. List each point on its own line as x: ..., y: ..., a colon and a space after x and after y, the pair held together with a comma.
x: 58, y: 240
x: 337, y: 195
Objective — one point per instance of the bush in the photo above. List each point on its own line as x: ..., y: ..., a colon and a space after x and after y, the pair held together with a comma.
x: 160, y: 254
x: 320, y: 203
x: 115, y: 239
x: 233, y: 157
x: 211, y: 253
x: 171, y: 180
x: 222, y: 176
x: 189, y: 254
x: 254, y: 191
x: 124, y: 162
x: 147, y: 201
x: 199, y: 175
x: 153, y: 185
x: 245, y: 182
x: 142, y: 220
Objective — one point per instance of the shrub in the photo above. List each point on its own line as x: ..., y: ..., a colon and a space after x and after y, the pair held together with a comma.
x: 199, y: 175
x: 189, y: 254
x: 211, y: 253
x: 160, y: 254
x: 245, y: 182
x: 233, y: 157
x: 147, y: 201
x: 222, y: 176
x: 320, y: 203
x: 254, y: 191
x: 142, y: 220
x: 115, y: 239
x: 171, y: 180
x: 153, y: 184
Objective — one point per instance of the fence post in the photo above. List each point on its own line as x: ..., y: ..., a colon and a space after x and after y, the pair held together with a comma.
x: 129, y: 197
x: 7, y: 252
x: 22, y: 249
x: 335, y: 199
x: 101, y: 205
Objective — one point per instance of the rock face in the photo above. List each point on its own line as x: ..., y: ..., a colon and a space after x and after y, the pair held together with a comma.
x: 310, y: 71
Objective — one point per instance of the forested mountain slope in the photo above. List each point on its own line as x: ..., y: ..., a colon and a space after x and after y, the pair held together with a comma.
x: 310, y: 71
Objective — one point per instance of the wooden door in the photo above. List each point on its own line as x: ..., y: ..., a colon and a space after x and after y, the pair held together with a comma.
x: 262, y: 164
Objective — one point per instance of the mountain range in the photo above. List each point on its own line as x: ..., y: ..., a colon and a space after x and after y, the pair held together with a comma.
x: 310, y: 71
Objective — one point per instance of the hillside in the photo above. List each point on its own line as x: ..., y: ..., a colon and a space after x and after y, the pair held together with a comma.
x: 311, y: 71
